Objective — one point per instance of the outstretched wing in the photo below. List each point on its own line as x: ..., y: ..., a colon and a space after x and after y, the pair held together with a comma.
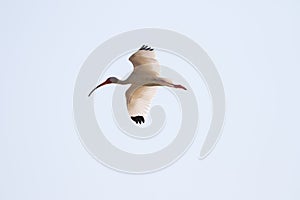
x: 139, y: 100
x: 145, y: 59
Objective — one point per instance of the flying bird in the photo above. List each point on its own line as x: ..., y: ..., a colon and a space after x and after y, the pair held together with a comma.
x: 143, y: 79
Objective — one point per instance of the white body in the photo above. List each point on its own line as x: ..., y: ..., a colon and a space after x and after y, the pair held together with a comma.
x: 143, y: 80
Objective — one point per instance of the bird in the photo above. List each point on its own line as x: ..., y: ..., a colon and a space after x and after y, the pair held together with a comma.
x: 144, y: 80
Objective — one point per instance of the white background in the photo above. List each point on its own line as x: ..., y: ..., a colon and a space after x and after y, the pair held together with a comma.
x: 255, y: 46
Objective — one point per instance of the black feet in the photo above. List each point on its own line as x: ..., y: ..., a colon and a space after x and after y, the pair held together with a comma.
x: 138, y: 119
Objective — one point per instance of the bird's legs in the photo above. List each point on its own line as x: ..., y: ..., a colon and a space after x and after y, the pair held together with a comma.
x: 179, y: 86
x: 168, y: 83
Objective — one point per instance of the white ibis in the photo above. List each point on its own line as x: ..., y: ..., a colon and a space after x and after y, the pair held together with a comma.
x: 143, y: 80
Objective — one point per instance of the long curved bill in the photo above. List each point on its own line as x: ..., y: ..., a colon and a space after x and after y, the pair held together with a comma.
x: 104, y: 83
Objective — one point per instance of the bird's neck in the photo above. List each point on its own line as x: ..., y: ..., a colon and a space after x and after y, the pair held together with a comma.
x: 122, y: 82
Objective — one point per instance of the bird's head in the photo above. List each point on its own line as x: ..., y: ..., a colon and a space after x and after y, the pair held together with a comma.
x: 112, y: 80
x: 108, y: 81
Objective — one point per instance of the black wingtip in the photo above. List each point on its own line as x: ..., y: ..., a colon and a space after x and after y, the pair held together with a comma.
x: 146, y: 48
x: 138, y: 119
